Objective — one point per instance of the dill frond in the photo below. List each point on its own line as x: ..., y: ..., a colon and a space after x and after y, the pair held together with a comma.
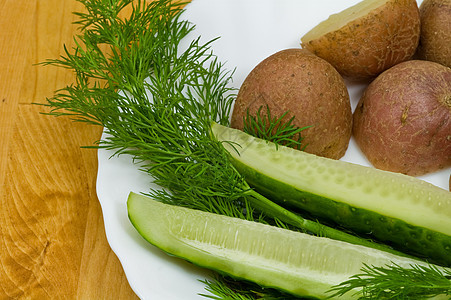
x: 396, y: 282
x: 274, y: 129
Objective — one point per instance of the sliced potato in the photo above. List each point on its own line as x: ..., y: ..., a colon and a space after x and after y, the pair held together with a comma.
x: 367, y: 38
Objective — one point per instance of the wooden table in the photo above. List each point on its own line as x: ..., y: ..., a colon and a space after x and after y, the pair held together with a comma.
x: 52, y: 238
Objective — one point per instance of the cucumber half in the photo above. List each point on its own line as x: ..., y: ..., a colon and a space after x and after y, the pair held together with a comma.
x: 294, y: 262
x: 409, y: 214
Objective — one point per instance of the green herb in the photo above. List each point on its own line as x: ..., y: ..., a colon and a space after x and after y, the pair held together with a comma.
x: 157, y: 103
x: 395, y: 282
x: 274, y: 129
x: 223, y: 287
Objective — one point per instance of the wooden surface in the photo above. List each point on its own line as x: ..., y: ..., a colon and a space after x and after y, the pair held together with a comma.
x: 52, y: 239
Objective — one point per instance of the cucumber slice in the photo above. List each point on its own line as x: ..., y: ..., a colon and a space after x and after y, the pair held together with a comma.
x: 297, y: 263
x: 405, y: 212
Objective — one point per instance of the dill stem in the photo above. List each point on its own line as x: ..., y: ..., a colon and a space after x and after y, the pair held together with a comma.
x: 274, y: 210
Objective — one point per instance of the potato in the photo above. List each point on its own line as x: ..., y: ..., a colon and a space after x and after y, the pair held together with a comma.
x: 435, y: 37
x: 402, y: 122
x: 310, y: 89
x: 367, y: 38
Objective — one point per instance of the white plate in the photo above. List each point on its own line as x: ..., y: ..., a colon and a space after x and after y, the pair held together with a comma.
x: 250, y: 31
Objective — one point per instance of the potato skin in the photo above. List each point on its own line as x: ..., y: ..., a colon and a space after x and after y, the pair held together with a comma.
x: 365, y: 47
x: 435, y: 38
x: 310, y: 89
x: 402, y: 123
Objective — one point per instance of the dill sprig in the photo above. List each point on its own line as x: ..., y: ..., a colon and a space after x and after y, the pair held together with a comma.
x: 275, y: 129
x: 155, y: 102
x: 395, y: 282
x: 226, y: 288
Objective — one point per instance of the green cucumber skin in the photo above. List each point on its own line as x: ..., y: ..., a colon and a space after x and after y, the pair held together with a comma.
x: 415, y: 240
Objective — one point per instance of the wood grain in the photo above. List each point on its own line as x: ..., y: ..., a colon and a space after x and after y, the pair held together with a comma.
x: 52, y: 237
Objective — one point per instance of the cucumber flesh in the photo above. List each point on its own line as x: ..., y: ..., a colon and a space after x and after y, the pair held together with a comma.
x: 294, y: 262
x: 405, y: 212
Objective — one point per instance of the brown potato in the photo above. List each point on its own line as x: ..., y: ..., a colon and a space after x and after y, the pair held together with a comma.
x: 435, y: 38
x: 310, y: 89
x: 367, y: 38
x: 402, y: 123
